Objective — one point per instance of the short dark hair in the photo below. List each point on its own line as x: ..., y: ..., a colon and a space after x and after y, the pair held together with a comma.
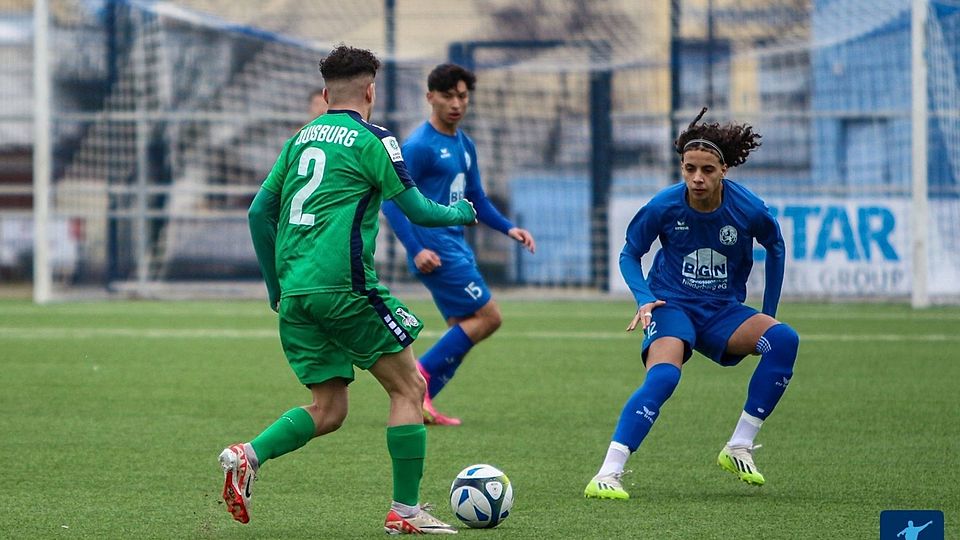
x: 345, y: 62
x: 446, y: 76
x: 736, y: 141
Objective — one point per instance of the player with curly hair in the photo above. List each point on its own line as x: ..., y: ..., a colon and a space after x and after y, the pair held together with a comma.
x: 692, y: 298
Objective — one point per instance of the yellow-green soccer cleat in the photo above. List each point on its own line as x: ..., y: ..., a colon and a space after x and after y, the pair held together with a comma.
x: 606, y: 487
x: 739, y: 461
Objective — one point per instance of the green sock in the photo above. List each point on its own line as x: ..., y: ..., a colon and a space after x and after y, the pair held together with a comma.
x: 291, y: 431
x: 408, y: 448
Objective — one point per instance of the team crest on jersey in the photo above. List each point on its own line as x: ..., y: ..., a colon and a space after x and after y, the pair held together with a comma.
x: 408, y: 319
x: 728, y: 235
x: 393, y: 148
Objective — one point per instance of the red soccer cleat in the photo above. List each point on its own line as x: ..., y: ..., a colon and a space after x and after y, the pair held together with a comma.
x: 237, y: 482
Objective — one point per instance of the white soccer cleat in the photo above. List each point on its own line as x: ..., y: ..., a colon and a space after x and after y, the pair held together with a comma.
x: 238, y: 478
x: 420, y: 523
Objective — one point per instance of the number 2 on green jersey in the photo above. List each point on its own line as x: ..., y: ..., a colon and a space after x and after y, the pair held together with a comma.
x: 297, y: 217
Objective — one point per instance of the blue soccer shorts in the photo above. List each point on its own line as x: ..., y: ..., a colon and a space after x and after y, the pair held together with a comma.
x: 706, y: 329
x: 458, y: 289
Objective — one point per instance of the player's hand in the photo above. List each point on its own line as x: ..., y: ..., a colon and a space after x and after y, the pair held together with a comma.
x: 427, y: 261
x: 468, y: 210
x: 524, y: 237
x: 644, y: 314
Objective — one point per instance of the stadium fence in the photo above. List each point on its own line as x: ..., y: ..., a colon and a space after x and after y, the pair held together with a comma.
x: 152, y: 123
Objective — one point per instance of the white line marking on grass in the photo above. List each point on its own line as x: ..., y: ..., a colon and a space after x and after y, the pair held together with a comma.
x: 7, y: 332
x: 625, y: 315
x: 246, y: 311
x: 136, y: 333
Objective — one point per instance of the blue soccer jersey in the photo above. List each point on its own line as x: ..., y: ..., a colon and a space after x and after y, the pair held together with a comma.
x: 704, y: 257
x: 445, y: 169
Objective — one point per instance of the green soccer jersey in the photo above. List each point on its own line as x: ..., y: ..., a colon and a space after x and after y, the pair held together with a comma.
x: 331, y: 179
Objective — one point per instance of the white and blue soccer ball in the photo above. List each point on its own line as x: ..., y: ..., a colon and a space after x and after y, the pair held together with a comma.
x: 481, y: 496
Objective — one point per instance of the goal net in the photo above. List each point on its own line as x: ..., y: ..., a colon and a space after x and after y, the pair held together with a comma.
x: 166, y: 115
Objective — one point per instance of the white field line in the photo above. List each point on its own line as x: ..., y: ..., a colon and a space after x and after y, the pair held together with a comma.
x: 10, y: 313
x: 8, y: 332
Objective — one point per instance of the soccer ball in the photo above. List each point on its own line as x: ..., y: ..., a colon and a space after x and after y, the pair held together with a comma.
x: 481, y: 496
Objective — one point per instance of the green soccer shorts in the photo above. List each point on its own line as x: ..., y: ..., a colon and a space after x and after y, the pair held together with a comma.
x: 325, y: 334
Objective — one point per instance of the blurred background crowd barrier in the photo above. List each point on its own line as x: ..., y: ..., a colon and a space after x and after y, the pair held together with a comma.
x: 138, y: 131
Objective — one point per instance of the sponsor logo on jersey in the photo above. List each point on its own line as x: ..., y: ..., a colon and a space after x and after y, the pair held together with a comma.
x: 456, y: 188
x: 444, y: 153
x: 681, y: 225
x: 705, y: 269
x: 728, y: 235
x: 393, y: 148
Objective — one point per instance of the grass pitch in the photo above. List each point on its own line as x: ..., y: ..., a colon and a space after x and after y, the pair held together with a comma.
x: 113, y: 415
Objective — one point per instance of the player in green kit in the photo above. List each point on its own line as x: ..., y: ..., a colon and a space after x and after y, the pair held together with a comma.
x: 314, y: 224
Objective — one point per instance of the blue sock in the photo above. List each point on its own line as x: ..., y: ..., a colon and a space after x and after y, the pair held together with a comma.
x: 778, y: 346
x: 644, y: 405
x: 443, y: 359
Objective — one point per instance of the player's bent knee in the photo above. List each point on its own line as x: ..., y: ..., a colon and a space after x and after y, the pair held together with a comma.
x: 494, y: 320
x: 415, y: 387
x: 490, y: 316
x: 787, y: 336
x: 785, y: 340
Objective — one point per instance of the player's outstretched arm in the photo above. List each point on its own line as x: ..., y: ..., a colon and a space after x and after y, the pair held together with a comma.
x: 401, y: 227
x: 524, y: 237
x: 488, y: 214
x: 262, y: 217
x: 425, y: 259
x: 423, y: 211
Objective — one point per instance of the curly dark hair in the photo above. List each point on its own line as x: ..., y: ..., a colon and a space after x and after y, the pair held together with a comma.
x: 446, y: 76
x: 345, y: 62
x: 735, y: 141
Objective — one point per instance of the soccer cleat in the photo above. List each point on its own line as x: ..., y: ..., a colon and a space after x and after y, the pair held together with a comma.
x: 237, y: 482
x: 420, y: 523
x: 606, y: 487
x: 432, y: 416
x: 739, y: 461
x: 430, y: 413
